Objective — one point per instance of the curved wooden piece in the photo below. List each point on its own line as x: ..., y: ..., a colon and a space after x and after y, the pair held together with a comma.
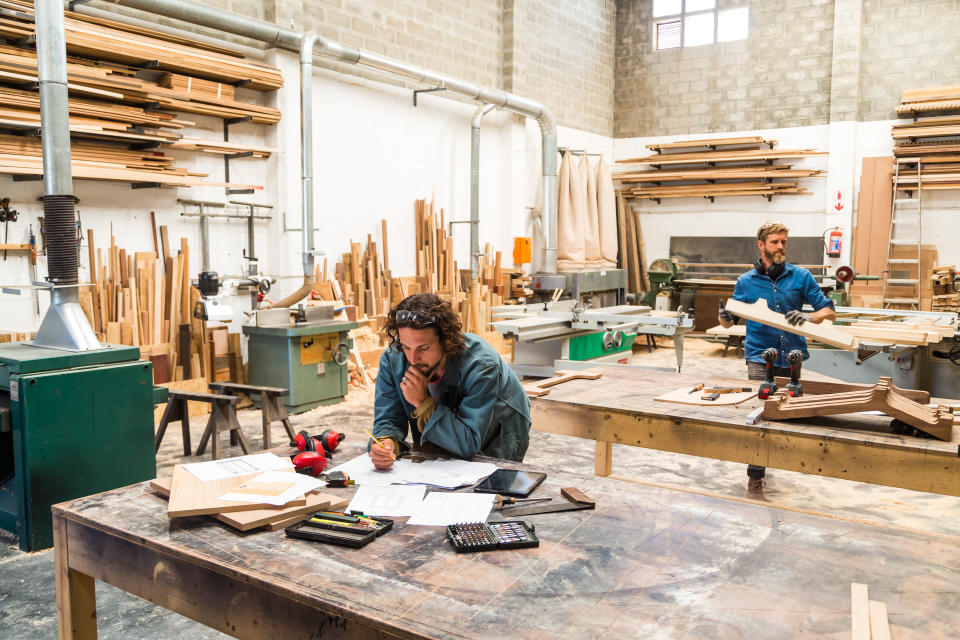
x: 883, y: 397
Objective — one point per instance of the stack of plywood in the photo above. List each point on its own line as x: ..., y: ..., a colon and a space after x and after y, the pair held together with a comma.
x: 714, y: 167
x: 189, y: 495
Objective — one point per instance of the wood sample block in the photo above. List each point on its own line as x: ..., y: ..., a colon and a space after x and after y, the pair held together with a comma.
x: 189, y: 496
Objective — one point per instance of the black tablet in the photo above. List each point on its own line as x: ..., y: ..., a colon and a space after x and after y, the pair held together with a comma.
x: 510, y: 482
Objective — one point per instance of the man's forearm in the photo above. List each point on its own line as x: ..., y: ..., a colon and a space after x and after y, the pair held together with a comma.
x: 827, y: 313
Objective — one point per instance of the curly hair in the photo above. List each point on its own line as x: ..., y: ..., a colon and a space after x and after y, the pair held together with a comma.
x: 431, y: 312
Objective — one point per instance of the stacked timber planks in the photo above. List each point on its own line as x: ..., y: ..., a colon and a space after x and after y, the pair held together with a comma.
x: 714, y: 167
x: 928, y: 149
x: 121, y: 105
x: 944, y: 298
x: 88, y: 38
x: 21, y: 155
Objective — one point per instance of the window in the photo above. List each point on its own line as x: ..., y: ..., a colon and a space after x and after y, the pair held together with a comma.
x: 691, y: 23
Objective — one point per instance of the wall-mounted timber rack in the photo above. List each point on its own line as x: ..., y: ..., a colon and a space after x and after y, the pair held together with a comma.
x: 714, y: 167
x: 124, y: 84
x: 927, y: 150
x: 883, y: 397
x: 87, y: 38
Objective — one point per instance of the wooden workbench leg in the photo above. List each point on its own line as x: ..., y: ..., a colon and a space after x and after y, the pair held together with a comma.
x: 76, y: 595
x: 603, y: 460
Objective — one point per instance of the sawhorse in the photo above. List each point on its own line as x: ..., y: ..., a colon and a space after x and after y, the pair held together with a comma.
x: 271, y: 408
x: 223, y: 417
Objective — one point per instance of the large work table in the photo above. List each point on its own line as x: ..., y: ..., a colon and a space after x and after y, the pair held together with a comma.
x: 648, y: 562
x: 619, y: 408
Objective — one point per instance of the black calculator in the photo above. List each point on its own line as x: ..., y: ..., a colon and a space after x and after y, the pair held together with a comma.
x: 467, y: 537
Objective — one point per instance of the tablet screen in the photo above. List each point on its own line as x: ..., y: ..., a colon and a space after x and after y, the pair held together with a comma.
x: 510, y: 482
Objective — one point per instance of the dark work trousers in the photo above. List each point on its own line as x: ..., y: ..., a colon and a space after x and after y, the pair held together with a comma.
x: 758, y: 371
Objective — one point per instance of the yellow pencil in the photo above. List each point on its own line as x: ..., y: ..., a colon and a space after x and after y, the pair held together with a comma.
x: 375, y: 439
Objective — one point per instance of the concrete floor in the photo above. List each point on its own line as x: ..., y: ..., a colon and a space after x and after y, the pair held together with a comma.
x: 27, y: 592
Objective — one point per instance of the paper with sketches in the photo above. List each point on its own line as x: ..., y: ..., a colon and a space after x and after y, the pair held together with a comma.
x: 439, y: 509
x: 273, y: 487
x: 445, y: 473
x: 392, y: 501
x: 242, y: 465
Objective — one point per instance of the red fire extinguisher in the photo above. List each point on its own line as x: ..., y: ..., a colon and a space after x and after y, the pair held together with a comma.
x: 834, y: 242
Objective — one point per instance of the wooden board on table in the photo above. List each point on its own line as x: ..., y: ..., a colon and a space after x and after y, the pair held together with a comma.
x: 189, y: 496
x: 253, y: 518
x: 542, y: 387
x: 735, y: 330
x: 684, y: 396
x: 823, y: 332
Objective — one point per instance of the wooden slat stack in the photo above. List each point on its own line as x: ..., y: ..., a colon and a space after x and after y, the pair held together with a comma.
x: 714, y: 167
x: 933, y: 141
x: 631, y: 254
x: 119, y: 104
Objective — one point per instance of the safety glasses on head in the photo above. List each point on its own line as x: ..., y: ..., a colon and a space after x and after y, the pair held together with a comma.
x: 414, y: 319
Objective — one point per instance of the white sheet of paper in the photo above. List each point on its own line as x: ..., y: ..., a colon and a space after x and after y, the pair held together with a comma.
x: 362, y: 472
x: 299, y: 484
x: 446, y: 473
x: 439, y: 509
x: 230, y: 467
x: 396, y: 500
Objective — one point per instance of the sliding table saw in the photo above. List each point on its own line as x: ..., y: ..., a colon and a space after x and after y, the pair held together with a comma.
x: 561, y: 335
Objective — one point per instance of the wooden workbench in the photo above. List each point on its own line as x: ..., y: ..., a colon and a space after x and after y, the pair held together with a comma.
x: 647, y: 562
x: 619, y: 409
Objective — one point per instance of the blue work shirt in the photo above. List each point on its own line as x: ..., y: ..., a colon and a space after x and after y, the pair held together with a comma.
x: 481, y: 406
x: 790, y: 292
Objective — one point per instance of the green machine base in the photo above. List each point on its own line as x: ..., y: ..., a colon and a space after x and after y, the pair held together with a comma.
x: 309, y: 359
x: 79, y: 423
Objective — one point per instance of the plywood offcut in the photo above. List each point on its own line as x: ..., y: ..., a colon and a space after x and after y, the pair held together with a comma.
x: 191, y: 497
x: 683, y: 396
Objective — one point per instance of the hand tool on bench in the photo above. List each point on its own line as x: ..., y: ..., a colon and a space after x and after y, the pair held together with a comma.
x: 578, y: 501
x: 795, y: 358
x: 728, y: 390
x: 499, y: 501
x: 769, y: 385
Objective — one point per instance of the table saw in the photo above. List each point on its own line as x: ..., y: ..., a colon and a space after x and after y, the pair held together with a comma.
x: 562, y: 335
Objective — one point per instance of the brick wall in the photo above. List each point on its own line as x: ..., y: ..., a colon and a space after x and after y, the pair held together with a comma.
x: 560, y: 53
x: 906, y: 45
x: 778, y: 77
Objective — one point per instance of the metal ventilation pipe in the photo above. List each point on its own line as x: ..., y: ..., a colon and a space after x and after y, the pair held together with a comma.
x: 475, y: 185
x: 306, y: 170
x: 192, y: 12
x: 64, y: 326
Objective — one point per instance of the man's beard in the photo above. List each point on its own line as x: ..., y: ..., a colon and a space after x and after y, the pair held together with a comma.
x: 776, y: 257
x: 428, y: 371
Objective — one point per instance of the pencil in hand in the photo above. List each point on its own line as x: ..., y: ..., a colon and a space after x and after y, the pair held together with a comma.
x: 377, y: 440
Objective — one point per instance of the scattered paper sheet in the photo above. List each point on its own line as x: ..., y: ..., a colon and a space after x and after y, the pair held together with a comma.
x: 242, y: 465
x: 445, y: 473
x: 397, y: 500
x: 439, y: 509
x: 274, y: 487
x: 362, y: 472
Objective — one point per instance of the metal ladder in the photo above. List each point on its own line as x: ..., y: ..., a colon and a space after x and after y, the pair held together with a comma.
x: 905, y: 231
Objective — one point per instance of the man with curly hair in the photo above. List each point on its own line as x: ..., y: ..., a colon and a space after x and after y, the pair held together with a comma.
x: 448, y: 388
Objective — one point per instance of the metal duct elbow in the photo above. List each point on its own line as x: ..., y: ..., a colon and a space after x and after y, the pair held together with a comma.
x: 481, y: 111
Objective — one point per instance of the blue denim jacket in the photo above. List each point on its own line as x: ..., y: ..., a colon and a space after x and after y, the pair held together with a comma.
x: 792, y: 289
x: 481, y: 406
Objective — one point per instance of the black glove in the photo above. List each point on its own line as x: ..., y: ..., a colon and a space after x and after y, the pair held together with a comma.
x: 796, y: 318
x: 726, y: 316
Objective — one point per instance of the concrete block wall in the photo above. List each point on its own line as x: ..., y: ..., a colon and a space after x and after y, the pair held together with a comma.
x: 561, y: 53
x: 906, y: 45
x: 778, y: 77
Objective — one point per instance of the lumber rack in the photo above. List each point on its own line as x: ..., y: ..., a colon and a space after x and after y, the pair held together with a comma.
x: 232, y: 156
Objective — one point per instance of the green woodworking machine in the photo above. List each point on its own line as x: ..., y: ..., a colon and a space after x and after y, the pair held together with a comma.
x: 307, y: 355
x: 72, y: 423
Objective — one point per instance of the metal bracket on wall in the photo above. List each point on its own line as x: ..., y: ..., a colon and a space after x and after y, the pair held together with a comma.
x: 417, y: 92
x: 298, y: 229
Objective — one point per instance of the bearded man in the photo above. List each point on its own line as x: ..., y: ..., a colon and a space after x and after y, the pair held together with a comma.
x: 786, y: 288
